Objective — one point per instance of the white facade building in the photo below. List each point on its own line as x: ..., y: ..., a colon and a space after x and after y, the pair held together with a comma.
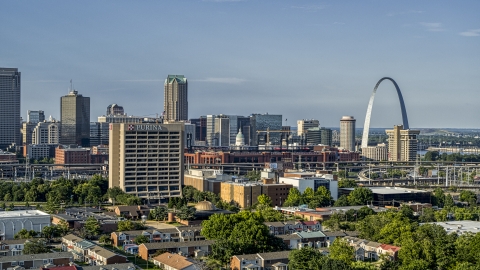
x: 11, y: 222
x: 46, y: 133
x: 314, y: 183
x: 347, y: 133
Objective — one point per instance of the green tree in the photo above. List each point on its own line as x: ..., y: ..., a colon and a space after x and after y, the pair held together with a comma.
x: 49, y: 232
x: 427, y: 215
x: 35, y: 246
x: 104, y: 239
x: 128, y: 225
x: 438, y: 197
x: 468, y: 196
x: 449, y: 202
x: 186, y: 213
x: 25, y: 234
x: 300, y: 259
x: 360, y: 196
x: 341, y: 250
x: 308, y: 194
x: 92, y: 227
x: 63, y: 228
x: 142, y: 239
x: 364, y: 212
x: 294, y: 198
x: 159, y: 213
x: 342, y: 201
x: 253, y: 175
x: 347, y: 183
x: 264, y: 199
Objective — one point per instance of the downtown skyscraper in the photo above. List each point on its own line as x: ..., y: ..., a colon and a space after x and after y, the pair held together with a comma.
x: 176, y: 98
x: 9, y: 107
x: 75, y: 119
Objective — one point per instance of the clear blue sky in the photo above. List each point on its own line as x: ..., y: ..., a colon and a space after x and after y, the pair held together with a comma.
x: 302, y: 59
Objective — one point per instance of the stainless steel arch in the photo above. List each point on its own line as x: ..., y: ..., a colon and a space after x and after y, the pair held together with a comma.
x: 366, y: 126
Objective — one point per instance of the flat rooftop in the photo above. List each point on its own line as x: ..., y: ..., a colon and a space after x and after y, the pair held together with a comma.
x: 459, y: 227
x: 391, y: 190
x: 22, y: 214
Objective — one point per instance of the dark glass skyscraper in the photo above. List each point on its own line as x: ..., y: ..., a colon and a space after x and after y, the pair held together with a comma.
x: 75, y: 119
x: 9, y: 107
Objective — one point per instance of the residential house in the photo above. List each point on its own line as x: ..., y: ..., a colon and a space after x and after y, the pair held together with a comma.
x: 311, y: 239
x: 169, y: 261
x: 389, y: 250
x: 276, y: 227
x: 120, y: 266
x: 291, y: 240
x: 274, y: 260
x: 331, y: 236
x: 261, y: 261
x: 128, y: 237
x: 188, y: 248
x: 132, y: 212
x: 313, y: 225
x: 371, y: 249
x: 77, y: 216
x: 292, y: 226
x: 85, y: 251
x: 248, y: 261
x: 12, y: 247
x: 37, y: 261
x: 77, y: 245
x: 365, y: 249
x: 190, y: 233
x: 101, y: 256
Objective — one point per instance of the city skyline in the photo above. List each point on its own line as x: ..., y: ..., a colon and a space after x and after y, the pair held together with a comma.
x: 244, y: 57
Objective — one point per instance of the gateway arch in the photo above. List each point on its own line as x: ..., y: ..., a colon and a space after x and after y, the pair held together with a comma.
x: 366, y: 126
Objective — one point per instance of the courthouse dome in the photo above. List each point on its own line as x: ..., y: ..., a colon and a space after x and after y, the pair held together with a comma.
x: 205, y: 206
x: 240, y: 140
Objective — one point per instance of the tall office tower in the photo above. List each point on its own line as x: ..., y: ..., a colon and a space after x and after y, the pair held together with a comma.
x: 262, y: 122
x: 304, y: 125
x: 46, y: 133
x: 35, y: 116
x: 9, y: 107
x: 402, y: 144
x: 75, y: 119
x: 99, y: 132
x: 200, y: 127
x: 326, y: 136
x: 176, y: 98
x: 222, y: 130
x: 115, y: 109
x: 347, y: 133
x: 233, y: 120
x: 210, y: 136
x: 146, y: 160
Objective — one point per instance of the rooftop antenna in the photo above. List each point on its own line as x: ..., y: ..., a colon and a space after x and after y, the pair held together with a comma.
x: 71, y: 85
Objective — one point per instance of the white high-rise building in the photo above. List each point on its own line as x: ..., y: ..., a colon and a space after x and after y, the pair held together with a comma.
x: 46, y: 133
x: 347, y: 133
x: 146, y: 160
